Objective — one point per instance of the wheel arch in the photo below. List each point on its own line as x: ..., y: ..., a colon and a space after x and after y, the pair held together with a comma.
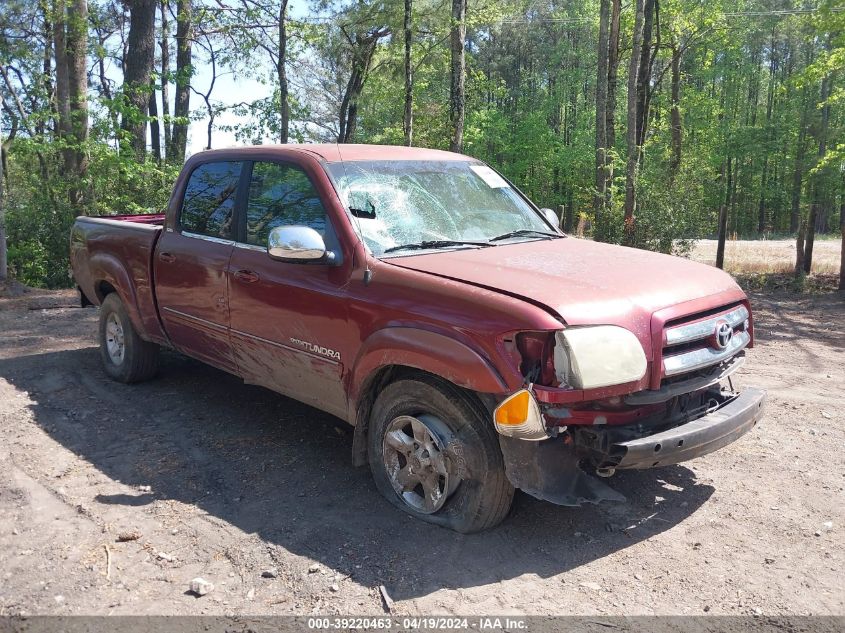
x: 109, y: 274
x: 110, y: 277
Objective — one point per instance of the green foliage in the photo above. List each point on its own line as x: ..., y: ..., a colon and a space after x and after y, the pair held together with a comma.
x: 673, y: 216
x: 39, y: 215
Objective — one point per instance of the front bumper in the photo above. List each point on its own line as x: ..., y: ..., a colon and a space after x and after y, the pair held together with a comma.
x: 693, y: 439
x: 552, y: 469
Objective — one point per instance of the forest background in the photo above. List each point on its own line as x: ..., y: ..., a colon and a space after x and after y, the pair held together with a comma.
x: 649, y: 123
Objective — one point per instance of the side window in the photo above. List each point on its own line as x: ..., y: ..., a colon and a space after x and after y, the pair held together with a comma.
x: 281, y: 195
x: 209, y: 204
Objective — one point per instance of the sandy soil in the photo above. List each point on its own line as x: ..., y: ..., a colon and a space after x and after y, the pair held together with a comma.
x: 224, y: 481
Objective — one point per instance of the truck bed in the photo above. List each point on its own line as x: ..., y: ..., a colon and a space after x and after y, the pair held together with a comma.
x: 156, y: 219
x: 116, y: 253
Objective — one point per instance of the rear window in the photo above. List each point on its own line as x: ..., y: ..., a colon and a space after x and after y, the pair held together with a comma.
x: 209, y: 204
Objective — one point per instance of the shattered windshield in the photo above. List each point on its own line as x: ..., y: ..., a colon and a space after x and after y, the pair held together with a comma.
x: 401, y: 205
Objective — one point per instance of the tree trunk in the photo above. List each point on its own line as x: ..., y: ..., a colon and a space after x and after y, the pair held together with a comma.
x: 77, y: 51
x: 457, y: 102
x: 612, y: 79
x: 799, y: 248
x: 4, y: 257
x: 810, y: 238
x: 633, y: 148
x: 723, y: 219
x: 841, y: 231
x: 137, y: 74
x: 182, y: 105
x: 70, y: 41
x: 762, y: 218
x: 798, y: 171
x: 46, y: 61
x: 599, y: 199
x: 62, y: 78
x: 284, y: 99
x: 165, y: 72
x: 408, y: 120
x: 644, y: 69
x: 363, y: 49
x: 817, y: 188
x: 675, y: 115
x: 155, y: 129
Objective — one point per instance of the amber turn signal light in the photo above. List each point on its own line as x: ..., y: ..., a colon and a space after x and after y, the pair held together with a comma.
x: 519, y: 416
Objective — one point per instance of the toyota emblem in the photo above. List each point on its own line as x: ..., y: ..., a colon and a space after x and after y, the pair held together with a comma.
x: 724, y: 334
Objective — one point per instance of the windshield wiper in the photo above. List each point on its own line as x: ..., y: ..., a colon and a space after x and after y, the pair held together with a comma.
x: 521, y: 232
x: 431, y: 244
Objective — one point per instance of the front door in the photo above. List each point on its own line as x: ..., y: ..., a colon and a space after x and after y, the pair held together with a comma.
x: 287, y: 319
x: 191, y: 261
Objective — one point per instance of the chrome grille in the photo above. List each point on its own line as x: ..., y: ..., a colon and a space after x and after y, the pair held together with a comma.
x: 693, y: 344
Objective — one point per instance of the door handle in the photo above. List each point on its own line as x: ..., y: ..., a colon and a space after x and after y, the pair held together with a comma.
x: 167, y: 258
x: 247, y: 276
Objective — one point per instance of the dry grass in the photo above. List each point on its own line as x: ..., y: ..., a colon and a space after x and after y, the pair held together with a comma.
x: 748, y: 257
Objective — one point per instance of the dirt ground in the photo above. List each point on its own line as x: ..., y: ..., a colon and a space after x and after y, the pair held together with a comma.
x: 224, y: 481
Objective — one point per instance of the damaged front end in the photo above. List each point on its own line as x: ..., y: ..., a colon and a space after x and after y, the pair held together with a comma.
x: 561, y: 468
x: 593, y: 408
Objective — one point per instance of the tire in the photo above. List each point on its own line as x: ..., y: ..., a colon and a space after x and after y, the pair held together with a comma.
x: 126, y: 356
x: 458, y: 459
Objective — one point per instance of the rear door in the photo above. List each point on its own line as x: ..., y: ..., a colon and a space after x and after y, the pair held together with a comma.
x: 191, y: 261
x: 288, y: 320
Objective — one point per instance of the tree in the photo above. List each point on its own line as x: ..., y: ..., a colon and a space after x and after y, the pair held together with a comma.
x: 841, y: 232
x: 842, y: 235
x: 675, y: 115
x: 184, y: 71
x: 4, y: 253
x: 633, y: 119
x: 612, y: 81
x: 408, y: 117
x: 723, y: 218
x: 817, y: 184
x: 363, y: 47
x: 137, y: 74
x: 457, y: 97
x: 284, y: 100
x: 164, y: 9
x: 210, y: 110
x: 599, y: 199
x: 70, y: 41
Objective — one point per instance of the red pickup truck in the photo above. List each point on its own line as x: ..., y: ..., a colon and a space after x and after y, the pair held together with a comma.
x: 420, y: 296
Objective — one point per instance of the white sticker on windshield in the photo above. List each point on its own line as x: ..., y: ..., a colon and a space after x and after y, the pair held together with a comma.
x: 493, y: 180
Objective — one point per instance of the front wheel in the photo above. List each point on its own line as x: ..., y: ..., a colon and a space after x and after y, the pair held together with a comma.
x: 126, y: 356
x: 434, y: 454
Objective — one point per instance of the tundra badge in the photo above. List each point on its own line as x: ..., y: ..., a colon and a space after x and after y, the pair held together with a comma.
x: 316, y: 349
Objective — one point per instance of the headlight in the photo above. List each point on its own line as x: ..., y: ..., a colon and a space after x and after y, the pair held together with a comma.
x: 598, y: 356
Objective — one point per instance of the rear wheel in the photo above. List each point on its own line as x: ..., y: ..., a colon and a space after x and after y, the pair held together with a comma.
x: 434, y: 454
x: 126, y: 356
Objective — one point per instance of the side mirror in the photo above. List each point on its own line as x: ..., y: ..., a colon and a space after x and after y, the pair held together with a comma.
x: 297, y: 244
x: 551, y: 216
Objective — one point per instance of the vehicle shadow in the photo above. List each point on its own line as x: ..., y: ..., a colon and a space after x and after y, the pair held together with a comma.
x: 282, y: 470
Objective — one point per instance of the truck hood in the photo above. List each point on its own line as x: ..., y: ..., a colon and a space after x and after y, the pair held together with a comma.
x: 581, y: 281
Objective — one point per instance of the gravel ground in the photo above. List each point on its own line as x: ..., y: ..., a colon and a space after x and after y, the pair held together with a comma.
x: 113, y: 497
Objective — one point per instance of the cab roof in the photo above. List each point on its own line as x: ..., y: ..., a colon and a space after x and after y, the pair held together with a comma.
x: 333, y: 152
